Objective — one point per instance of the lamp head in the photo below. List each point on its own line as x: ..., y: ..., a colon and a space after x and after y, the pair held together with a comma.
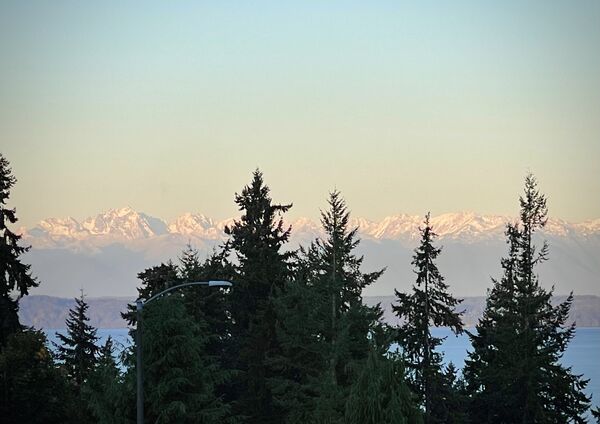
x: 216, y: 283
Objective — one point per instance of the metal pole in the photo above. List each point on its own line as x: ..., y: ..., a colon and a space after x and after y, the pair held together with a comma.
x: 140, y: 377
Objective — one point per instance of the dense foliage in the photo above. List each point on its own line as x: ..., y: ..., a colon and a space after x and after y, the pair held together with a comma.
x: 324, y: 329
x: 32, y: 388
x: 513, y: 373
x: 428, y: 305
x: 15, y: 277
x: 292, y: 341
x: 77, y: 349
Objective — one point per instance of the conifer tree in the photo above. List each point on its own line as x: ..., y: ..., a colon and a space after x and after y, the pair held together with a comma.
x: 32, y: 390
x: 15, y: 276
x: 340, y: 281
x: 209, y: 307
x: 165, y: 345
x: 103, y: 387
x: 180, y: 379
x: 380, y: 394
x: 257, y: 239
x: 208, y: 304
x: 325, y: 330
x: 596, y: 414
x: 154, y: 280
x: 157, y: 278
x: 451, y: 403
x: 78, y: 349
x: 429, y: 304
x: 513, y: 373
x: 302, y: 361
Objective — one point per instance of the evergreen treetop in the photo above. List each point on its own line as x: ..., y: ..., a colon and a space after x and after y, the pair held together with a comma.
x: 324, y: 330
x: 429, y: 304
x: 513, y: 373
x: 334, y: 258
x: 257, y: 239
x: 335, y: 272
x: 77, y: 348
x: 263, y: 267
x: 15, y: 276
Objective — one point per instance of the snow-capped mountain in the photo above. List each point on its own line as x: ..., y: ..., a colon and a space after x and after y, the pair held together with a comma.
x: 61, y: 227
x: 114, y: 225
x: 104, y: 253
x: 125, y: 224
x: 589, y: 227
x: 195, y: 224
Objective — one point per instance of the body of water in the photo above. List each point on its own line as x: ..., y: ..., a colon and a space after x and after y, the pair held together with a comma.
x: 120, y: 337
x: 582, y: 354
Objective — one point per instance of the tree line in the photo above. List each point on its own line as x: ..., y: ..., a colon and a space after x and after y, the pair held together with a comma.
x: 291, y: 341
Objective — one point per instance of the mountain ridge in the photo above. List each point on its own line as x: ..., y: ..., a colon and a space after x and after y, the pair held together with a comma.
x: 104, y: 254
x: 126, y: 224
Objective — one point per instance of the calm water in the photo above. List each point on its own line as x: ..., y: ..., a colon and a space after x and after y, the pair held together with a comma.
x: 582, y: 354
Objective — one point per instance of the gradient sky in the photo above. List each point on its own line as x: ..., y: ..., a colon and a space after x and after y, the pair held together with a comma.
x: 405, y: 107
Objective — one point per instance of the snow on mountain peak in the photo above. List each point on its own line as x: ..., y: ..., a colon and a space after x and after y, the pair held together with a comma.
x: 66, y: 227
x: 589, y: 227
x: 395, y: 226
x: 127, y: 224
x: 195, y: 224
x: 468, y: 225
x: 124, y: 223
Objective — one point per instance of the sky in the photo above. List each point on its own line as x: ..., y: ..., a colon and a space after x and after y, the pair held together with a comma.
x: 168, y: 107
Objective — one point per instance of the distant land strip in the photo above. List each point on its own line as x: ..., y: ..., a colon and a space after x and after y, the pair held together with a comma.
x: 50, y: 312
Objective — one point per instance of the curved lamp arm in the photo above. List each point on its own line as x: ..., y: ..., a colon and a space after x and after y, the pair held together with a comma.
x: 139, y: 304
x: 213, y: 283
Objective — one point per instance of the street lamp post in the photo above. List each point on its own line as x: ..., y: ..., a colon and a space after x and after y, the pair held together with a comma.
x: 139, y: 304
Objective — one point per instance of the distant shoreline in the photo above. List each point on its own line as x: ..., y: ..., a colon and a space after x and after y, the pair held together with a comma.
x: 49, y: 312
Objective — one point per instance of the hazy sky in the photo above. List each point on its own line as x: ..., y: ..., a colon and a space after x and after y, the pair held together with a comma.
x: 405, y: 107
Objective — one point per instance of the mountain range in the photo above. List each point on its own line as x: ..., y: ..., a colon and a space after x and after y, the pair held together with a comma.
x: 126, y: 224
x: 103, y: 254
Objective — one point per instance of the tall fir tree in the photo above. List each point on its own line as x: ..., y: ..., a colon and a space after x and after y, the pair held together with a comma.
x: 257, y: 239
x: 77, y: 349
x: 339, y: 279
x: 429, y: 304
x: 513, y: 373
x: 325, y: 330
x: 15, y: 276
